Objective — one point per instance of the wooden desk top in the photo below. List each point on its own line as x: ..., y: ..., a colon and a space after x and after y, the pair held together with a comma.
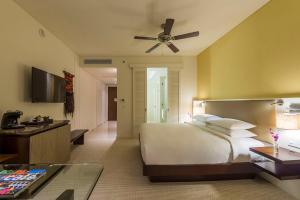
x: 284, y: 156
x: 32, y: 130
x: 6, y: 157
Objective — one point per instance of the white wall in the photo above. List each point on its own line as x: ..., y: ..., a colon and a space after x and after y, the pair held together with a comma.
x: 187, y: 89
x: 22, y: 47
x: 91, y: 101
x: 101, y: 103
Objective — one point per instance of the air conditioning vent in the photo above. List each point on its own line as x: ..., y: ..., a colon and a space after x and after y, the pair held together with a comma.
x: 97, y: 61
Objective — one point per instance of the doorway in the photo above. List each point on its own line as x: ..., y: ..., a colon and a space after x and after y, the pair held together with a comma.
x: 157, y: 95
x: 112, y: 104
x: 163, y: 105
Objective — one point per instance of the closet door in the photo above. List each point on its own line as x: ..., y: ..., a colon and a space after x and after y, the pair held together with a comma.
x: 139, y: 99
x: 173, y: 96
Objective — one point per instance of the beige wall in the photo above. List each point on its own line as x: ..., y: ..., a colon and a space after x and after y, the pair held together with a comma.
x: 101, y: 103
x: 20, y: 48
x: 90, y: 101
x: 87, y: 98
x: 187, y: 89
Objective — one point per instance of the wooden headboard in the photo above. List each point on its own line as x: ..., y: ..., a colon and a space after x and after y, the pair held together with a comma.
x: 259, y: 112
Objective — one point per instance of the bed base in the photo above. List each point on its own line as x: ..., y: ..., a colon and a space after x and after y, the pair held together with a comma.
x: 199, y: 172
x: 203, y: 172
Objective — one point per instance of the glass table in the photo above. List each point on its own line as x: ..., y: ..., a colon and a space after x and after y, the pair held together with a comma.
x: 56, y: 181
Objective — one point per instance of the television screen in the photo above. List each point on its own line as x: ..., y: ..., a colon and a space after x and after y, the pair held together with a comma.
x: 47, y: 87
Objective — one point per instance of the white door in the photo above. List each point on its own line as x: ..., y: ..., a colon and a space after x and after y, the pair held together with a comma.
x: 173, y: 96
x: 139, y: 99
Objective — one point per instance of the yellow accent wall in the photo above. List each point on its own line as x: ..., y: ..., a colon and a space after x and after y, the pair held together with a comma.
x: 260, y: 58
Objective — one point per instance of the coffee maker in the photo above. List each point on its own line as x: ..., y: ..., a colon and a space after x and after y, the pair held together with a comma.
x: 10, y: 120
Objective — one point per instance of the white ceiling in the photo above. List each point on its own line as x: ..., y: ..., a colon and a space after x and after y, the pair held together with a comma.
x: 107, y: 27
x: 108, y: 75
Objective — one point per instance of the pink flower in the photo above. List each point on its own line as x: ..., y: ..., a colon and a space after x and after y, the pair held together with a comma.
x: 275, y: 136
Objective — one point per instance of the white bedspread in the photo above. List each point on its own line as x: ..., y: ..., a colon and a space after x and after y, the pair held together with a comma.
x: 179, y: 144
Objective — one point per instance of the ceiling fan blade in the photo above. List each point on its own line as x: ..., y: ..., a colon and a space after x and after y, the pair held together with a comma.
x: 168, y: 26
x: 172, y: 47
x: 154, y: 47
x: 187, y: 35
x: 144, y: 38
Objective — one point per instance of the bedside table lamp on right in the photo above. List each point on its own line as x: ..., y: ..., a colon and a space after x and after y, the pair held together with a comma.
x: 289, y: 122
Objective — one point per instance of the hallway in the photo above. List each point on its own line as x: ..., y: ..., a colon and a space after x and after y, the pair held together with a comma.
x: 96, y: 144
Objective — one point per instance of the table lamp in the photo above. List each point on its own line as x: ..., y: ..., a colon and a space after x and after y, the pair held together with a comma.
x: 289, y: 121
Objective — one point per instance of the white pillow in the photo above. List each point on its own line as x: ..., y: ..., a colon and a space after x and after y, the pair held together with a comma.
x: 205, y: 117
x: 198, y: 123
x: 232, y: 124
x: 233, y: 133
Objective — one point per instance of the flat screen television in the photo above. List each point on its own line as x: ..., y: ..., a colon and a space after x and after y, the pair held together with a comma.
x: 47, y: 88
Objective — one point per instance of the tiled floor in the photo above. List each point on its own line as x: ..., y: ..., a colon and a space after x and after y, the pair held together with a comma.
x: 97, y: 142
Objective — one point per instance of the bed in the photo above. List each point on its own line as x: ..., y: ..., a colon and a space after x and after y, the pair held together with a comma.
x: 193, y: 151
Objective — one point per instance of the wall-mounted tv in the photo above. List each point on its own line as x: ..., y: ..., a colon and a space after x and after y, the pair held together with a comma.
x: 47, y: 88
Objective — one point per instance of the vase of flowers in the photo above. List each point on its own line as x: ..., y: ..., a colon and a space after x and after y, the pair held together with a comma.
x: 275, y: 137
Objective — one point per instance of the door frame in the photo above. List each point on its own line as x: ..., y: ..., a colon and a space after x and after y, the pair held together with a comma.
x: 179, y: 91
x: 133, y: 98
x: 170, y: 66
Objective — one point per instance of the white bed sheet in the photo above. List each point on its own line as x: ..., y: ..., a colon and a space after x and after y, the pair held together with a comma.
x: 193, y: 143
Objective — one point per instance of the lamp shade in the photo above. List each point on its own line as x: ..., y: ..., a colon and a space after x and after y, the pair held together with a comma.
x: 289, y: 121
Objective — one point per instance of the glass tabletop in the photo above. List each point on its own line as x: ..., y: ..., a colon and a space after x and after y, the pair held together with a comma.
x: 56, y: 181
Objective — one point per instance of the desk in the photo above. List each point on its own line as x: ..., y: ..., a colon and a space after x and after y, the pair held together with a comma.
x: 38, y: 144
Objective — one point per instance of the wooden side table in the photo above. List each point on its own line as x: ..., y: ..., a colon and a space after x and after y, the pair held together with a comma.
x: 7, y: 157
x: 284, y: 165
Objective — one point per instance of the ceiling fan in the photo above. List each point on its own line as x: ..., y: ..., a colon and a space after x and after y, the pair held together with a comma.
x: 165, y: 37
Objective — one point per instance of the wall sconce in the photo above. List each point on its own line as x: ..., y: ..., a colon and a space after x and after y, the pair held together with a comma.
x: 278, y: 102
x: 198, y: 107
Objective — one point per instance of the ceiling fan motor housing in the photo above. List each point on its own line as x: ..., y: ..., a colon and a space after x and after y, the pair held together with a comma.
x: 164, y: 38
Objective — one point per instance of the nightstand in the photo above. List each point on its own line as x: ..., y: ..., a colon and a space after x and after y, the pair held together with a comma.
x: 283, y: 165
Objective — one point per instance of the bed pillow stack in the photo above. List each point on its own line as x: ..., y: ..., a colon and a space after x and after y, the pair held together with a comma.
x: 232, y: 127
x: 205, y: 118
